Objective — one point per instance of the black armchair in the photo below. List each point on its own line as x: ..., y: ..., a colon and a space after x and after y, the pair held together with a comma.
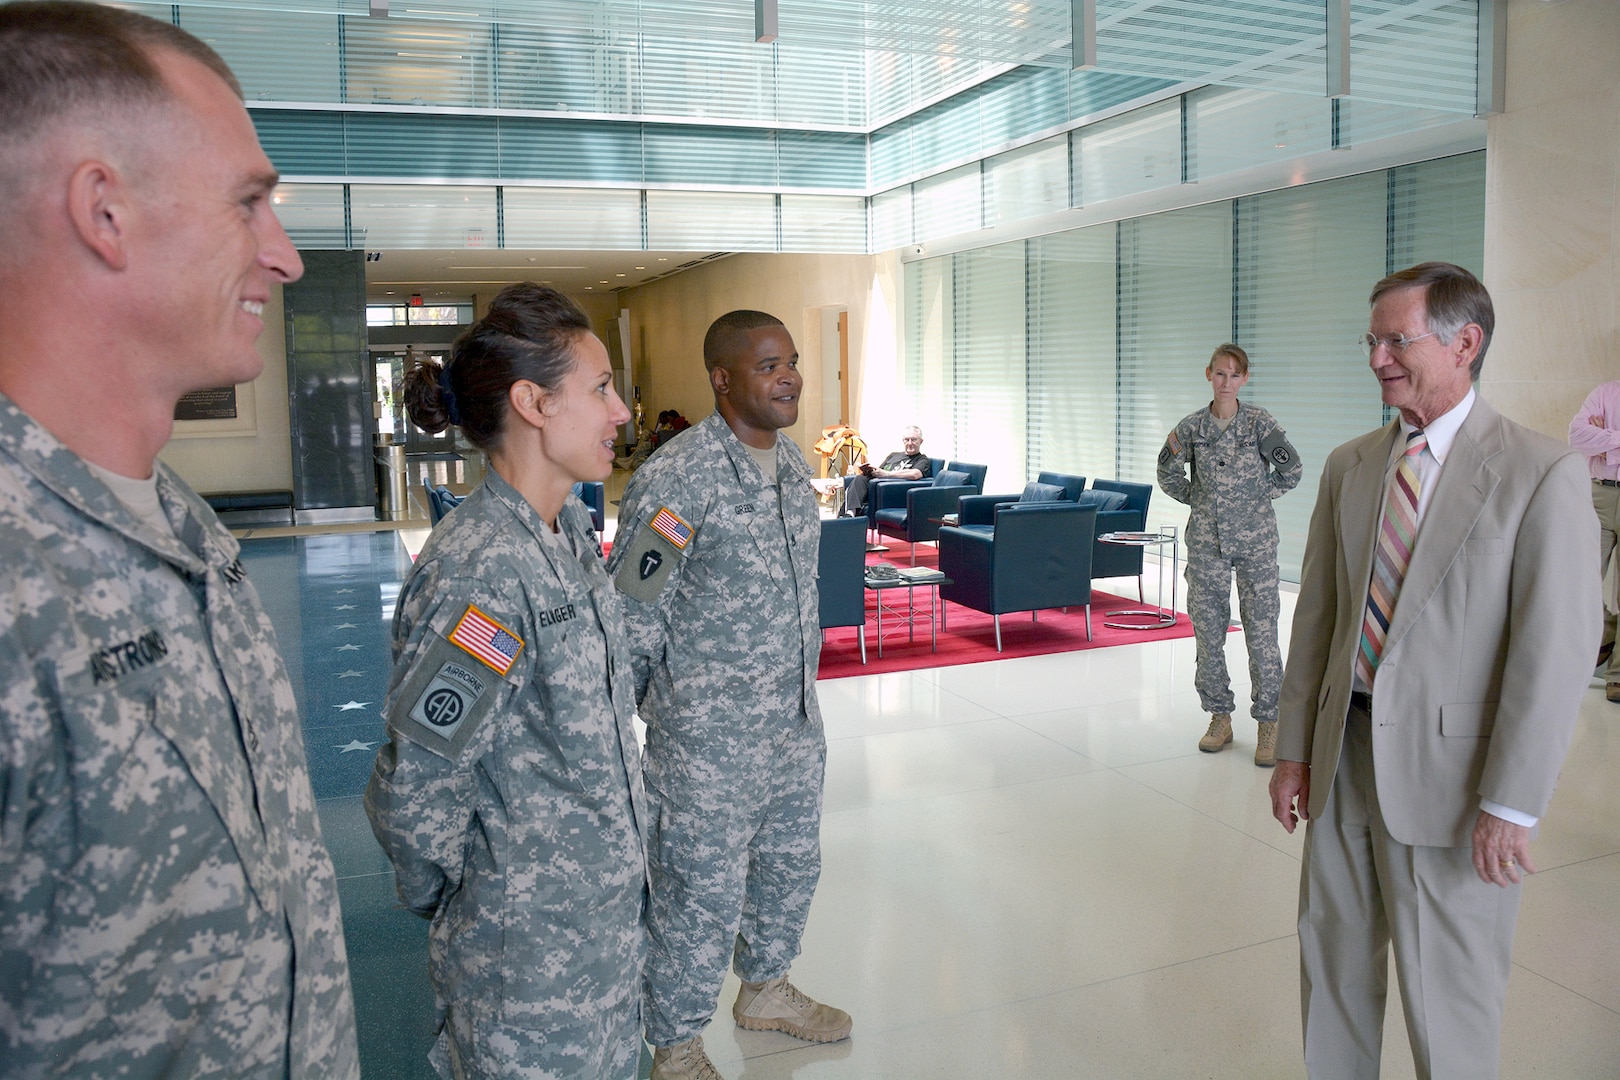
x: 904, y: 511
x: 440, y: 502
x: 593, y: 494
x: 1038, y: 556
x: 1116, y: 560
x: 937, y: 465
x: 841, y: 581
x: 981, y: 509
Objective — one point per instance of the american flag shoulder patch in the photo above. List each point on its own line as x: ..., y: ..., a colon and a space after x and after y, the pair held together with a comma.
x: 1173, y: 442
x: 486, y: 639
x: 668, y: 524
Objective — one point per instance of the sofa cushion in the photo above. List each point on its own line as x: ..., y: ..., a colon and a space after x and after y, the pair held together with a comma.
x: 1034, y: 491
x: 951, y: 478
x: 1104, y: 501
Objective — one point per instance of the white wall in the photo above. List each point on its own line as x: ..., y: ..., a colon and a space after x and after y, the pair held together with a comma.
x: 1552, y: 216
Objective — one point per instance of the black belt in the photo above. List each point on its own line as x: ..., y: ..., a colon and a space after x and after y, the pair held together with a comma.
x: 1606, y: 483
x: 1359, y: 700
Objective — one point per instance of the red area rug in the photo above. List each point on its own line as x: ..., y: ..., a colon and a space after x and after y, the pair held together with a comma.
x: 969, y: 636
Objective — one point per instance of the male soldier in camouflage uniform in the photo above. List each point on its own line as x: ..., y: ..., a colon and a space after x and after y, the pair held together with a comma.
x: 167, y: 907
x: 717, y: 551
x: 1241, y: 460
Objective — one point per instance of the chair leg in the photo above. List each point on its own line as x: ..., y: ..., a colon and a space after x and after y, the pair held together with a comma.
x: 1034, y: 616
x: 998, y: 631
x: 1088, y: 622
x: 1141, y: 597
x: 863, y: 644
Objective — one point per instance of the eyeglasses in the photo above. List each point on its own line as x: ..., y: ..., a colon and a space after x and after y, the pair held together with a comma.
x: 1397, y: 343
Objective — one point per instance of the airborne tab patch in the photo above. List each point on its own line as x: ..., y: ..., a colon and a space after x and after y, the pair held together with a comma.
x: 444, y: 700
x: 487, y: 639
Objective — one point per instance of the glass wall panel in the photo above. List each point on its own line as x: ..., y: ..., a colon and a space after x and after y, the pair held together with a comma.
x: 569, y: 71
x: 891, y: 219
x: 929, y: 351
x: 1239, y: 129
x: 416, y: 62
x: 422, y: 216
x: 823, y: 223
x: 694, y: 220
x: 1175, y: 306
x: 948, y: 204
x: 1120, y: 321
x: 1073, y: 403
x: 987, y: 383
x: 296, y: 59
x: 1027, y: 182
x: 1139, y: 151
x: 312, y: 214
x: 572, y: 218
x: 1307, y: 257
x: 1437, y: 213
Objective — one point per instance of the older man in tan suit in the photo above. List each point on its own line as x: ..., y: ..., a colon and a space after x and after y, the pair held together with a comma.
x: 1447, y: 618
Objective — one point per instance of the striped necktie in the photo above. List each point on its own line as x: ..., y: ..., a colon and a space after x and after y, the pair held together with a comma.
x: 1396, y: 534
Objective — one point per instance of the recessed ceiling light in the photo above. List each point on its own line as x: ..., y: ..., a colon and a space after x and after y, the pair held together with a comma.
x: 641, y: 268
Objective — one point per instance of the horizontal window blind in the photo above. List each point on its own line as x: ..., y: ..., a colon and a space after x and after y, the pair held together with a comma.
x: 1137, y: 152
x: 694, y: 220
x: 1073, y: 402
x: 1120, y: 321
x: 571, y: 218
x: 1027, y: 182
x: 988, y: 381
x: 1306, y: 259
x: 823, y: 223
x: 418, y: 216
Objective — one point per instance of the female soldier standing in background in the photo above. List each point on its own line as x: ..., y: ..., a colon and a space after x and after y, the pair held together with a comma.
x: 509, y: 793
x: 1241, y: 460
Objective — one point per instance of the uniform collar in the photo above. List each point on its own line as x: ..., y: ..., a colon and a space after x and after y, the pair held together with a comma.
x: 43, y: 455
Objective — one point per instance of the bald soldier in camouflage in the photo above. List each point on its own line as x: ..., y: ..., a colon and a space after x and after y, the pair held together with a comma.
x: 716, y: 553
x: 509, y: 795
x: 167, y: 907
x: 1241, y: 460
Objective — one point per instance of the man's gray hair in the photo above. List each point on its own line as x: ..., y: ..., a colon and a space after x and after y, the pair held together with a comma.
x: 1452, y: 299
x: 909, y: 428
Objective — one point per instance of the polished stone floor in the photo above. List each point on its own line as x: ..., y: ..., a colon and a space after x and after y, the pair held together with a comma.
x: 1030, y: 870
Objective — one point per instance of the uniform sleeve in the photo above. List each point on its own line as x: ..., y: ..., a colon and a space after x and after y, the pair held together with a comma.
x: 1282, y: 478
x: 1173, y: 461
x: 646, y: 621
x: 33, y: 800
x: 444, y: 705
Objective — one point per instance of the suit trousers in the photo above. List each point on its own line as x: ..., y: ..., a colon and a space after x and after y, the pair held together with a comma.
x: 1606, y: 501
x: 1359, y: 890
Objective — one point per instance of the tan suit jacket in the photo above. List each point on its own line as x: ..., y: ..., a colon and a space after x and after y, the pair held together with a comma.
x: 1491, y: 643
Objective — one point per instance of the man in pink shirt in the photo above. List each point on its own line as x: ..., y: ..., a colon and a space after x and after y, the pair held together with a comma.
x: 1595, y: 432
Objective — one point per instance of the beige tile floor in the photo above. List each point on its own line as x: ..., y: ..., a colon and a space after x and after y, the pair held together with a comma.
x: 1031, y: 872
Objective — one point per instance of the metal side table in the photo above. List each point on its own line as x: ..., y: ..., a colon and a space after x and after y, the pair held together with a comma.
x: 1157, y: 618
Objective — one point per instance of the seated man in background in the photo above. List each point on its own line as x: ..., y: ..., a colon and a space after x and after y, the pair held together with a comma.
x: 907, y: 463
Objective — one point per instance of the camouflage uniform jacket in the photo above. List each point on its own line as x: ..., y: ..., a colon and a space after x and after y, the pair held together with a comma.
x: 1232, y: 482
x: 511, y: 802
x: 167, y: 906
x: 736, y: 630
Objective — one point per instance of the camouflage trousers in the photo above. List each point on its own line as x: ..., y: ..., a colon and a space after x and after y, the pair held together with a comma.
x: 733, y: 857
x: 1209, y: 603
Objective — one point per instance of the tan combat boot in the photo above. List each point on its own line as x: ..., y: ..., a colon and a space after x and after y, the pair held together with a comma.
x: 778, y: 1005
x: 683, y: 1061
x: 1219, y: 735
x: 1265, y: 746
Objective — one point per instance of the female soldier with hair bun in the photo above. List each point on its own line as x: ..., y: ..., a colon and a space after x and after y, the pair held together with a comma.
x: 1241, y: 460
x: 509, y: 794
